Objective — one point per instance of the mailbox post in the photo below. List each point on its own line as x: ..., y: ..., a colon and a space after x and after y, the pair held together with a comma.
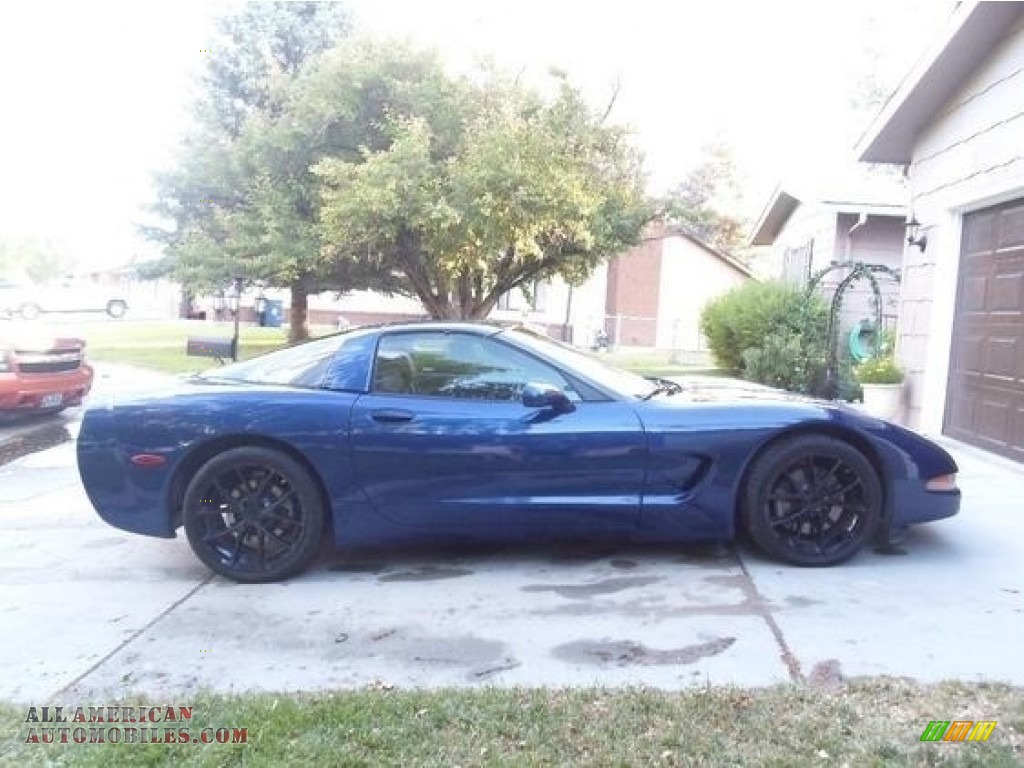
x: 236, y: 301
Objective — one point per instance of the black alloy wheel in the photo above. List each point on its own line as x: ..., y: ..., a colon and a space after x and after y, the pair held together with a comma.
x: 254, y: 515
x: 812, y: 501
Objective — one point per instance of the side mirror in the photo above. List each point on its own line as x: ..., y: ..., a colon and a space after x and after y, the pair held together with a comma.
x: 540, y: 395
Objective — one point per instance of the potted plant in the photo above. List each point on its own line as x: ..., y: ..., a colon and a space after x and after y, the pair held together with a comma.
x: 881, y: 380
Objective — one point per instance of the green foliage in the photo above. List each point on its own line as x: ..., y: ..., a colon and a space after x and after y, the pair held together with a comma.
x: 477, y: 186
x: 706, y: 200
x: 33, y: 260
x: 236, y: 203
x: 879, y: 370
x: 770, y: 333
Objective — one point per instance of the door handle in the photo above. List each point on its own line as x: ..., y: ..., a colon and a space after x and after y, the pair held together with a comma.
x: 391, y: 415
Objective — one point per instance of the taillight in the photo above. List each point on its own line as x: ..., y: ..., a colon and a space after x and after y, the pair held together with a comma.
x: 942, y: 483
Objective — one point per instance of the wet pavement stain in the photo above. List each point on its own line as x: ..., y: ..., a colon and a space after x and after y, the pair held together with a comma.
x: 427, y: 573
x: 580, y: 556
x: 623, y: 564
x: 799, y: 601
x: 373, y: 568
x: 604, y: 587
x: 37, y: 440
x: 505, y: 665
x: 626, y: 652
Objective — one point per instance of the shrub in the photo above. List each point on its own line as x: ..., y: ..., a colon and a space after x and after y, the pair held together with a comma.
x: 771, y: 333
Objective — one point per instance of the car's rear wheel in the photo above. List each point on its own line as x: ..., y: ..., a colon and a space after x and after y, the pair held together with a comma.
x: 117, y: 309
x: 29, y: 311
x: 254, y: 515
x: 812, y: 500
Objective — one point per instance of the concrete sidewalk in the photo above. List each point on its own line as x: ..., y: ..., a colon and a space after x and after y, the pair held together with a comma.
x: 89, y: 612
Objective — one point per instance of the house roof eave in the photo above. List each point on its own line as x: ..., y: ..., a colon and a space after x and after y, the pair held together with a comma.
x: 774, y: 217
x: 972, y: 31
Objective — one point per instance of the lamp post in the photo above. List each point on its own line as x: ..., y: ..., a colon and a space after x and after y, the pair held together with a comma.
x: 236, y: 303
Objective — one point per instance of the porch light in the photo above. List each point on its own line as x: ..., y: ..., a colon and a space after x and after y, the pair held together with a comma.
x: 913, y: 225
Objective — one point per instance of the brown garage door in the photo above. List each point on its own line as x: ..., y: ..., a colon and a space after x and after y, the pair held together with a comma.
x: 985, y: 398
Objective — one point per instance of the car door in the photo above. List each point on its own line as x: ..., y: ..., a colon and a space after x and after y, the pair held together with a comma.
x: 443, y: 439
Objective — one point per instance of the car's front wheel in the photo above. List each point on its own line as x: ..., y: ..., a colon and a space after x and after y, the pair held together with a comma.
x: 812, y: 500
x: 254, y: 515
x: 117, y: 309
x: 29, y: 311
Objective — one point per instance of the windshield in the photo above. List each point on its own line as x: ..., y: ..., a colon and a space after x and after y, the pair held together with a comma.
x: 619, y: 381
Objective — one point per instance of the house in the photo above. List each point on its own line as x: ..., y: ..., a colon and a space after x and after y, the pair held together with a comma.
x: 657, y: 290
x: 956, y: 125
x: 650, y: 296
x: 857, y: 217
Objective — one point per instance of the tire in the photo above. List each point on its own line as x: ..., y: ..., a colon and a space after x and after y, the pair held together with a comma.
x: 29, y: 311
x: 254, y: 515
x: 117, y: 309
x: 812, y: 501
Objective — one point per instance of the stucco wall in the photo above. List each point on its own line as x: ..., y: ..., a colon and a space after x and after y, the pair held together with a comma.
x: 970, y: 156
x: 690, y: 278
x: 808, y: 222
x: 878, y: 241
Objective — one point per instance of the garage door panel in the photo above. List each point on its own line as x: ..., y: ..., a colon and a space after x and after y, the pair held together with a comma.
x: 1005, y: 292
x: 1010, y: 233
x: 1001, y: 358
x: 975, y: 288
x: 985, y: 395
x: 978, y: 233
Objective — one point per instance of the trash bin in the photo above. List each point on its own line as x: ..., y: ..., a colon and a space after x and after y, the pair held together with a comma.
x: 273, y: 313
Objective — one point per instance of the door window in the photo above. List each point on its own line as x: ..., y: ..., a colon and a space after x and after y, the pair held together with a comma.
x: 460, y: 366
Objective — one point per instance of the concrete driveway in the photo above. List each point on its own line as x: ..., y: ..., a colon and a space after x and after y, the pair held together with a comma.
x: 89, y: 612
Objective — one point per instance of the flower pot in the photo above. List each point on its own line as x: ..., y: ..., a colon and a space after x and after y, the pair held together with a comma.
x: 883, y: 401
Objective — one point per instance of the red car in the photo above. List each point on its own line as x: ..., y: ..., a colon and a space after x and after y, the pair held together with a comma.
x: 43, y: 375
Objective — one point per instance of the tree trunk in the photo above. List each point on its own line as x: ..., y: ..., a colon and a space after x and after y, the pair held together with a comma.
x: 298, y: 330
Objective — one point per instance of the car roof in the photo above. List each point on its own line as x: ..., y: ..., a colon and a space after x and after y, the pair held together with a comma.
x: 464, y: 326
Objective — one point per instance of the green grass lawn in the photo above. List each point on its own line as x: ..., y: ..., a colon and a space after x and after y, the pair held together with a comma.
x: 161, y: 346
x: 868, y: 723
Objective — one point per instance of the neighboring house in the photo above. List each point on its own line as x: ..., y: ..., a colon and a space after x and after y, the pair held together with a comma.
x: 957, y: 125
x: 861, y: 219
x: 656, y: 291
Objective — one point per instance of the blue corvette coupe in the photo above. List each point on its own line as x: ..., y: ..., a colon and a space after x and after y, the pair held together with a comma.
x: 470, y: 432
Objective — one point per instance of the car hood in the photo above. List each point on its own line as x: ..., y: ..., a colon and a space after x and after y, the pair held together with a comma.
x: 38, y: 342
x: 714, y: 389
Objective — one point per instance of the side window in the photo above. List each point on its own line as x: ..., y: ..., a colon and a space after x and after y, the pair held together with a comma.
x: 458, y: 365
x: 351, y: 364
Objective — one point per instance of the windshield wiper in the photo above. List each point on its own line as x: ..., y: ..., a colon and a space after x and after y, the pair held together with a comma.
x: 664, y: 387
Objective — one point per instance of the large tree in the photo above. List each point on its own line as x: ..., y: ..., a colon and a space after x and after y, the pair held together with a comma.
x: 234, y: 204
x: 706, y: 200
x: 32, y: 258
x: 465, y: 188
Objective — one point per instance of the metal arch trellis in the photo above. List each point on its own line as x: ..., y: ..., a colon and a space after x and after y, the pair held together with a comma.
x: 858, y: 270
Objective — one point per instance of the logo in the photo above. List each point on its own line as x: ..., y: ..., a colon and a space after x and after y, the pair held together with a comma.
x: 958, y: 730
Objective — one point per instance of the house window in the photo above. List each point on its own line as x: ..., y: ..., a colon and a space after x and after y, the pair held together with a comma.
x: 516, y: 299
x: 796, y: 263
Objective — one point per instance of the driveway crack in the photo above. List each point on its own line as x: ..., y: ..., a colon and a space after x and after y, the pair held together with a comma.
x: 133, y: 637
x: 785, y: 653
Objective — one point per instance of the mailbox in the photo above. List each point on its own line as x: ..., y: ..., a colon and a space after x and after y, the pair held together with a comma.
x: 211, y: 346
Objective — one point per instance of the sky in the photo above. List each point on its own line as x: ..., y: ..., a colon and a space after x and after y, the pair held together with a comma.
x: 96, y: 95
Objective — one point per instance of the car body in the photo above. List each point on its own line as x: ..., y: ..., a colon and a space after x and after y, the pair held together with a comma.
x: 42, y: 374
x: 30, y: 301
x: 472, y: 432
